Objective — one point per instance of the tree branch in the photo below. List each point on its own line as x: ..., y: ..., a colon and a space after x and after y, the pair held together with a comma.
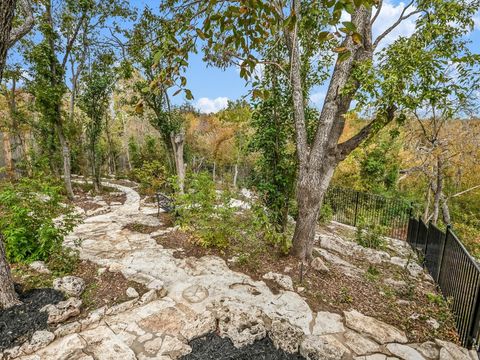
x: 20, y: 31
x: 379, y: 8
x: 464, y: 191
x: 345, y: 148
x: 401, y: 18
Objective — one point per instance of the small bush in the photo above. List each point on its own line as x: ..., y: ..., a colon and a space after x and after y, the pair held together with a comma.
x: 211, y: 217
x: 151, y: 176
x: 64, y: 261
x: 34, y: 219
x: 326, y: 214
x: 370, y: 236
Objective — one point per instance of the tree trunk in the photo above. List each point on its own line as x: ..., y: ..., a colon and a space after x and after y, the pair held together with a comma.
x: 235, y: 175
x: 445, y: 210
x: 67, y: 176
x: 438, y: 190
x: 311, y: 189
x: 7, y: 151
x: 7, y: 10
x: 178, y: 142
x: 8, y: 296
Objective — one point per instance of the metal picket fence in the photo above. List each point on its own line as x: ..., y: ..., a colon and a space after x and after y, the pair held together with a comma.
x: 350, y: 207
x: 456, y: 272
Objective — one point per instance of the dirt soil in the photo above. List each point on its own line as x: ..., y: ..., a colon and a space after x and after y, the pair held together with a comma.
x: 336, y: 292
x: 213, y: 347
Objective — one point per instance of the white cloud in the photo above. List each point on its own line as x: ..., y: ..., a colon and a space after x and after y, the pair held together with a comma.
x: 207, y: 105
x: 388, y: 15
x: 476, y: 20
x: 317, y: 98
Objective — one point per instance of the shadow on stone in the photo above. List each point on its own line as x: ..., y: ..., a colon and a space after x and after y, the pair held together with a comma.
x: 213, y: 347
x: 18, y: 323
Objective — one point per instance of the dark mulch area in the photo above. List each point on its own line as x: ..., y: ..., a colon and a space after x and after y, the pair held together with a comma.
x: 337, y: 292
x: 18, y: 323
x: 213, y: 347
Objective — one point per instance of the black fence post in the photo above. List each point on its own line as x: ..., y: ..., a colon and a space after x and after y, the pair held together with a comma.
x: 475, y: 322
x: 356, y: 209
x: 442, y: 252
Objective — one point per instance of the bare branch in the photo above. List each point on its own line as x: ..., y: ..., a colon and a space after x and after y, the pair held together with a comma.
x: 20, y: 31
x: 379, y: 8
x: 401, y: 18
x: 464, y: 191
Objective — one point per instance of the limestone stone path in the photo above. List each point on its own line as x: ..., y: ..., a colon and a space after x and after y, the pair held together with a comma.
x: 192, y: 297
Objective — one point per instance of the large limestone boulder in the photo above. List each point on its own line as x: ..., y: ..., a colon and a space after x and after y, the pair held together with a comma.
x: 376, y: 329
x: 70, y: 285
x: 39, y: 340
x: 240, y: 326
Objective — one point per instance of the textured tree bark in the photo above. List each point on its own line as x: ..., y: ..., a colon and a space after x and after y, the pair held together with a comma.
x: 178, y: 142
x: 67, y: 175
x: 318, y: 160
x: 8, y: 296
x: 7, y: 10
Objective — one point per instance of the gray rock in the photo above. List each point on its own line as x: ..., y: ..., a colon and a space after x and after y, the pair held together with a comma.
x: 39, y: 340
x: 450, y: 350
x: 132, y: 293
x: 359, y: 344
x: 319, y: 265
x: 70, y: 285
x: 283, y: 281
x: 62, y: 311
x: 376, y: 329
x: 404, y: 352
x: 328, y: 323
x: 39, y: 266
x: 195, y: 294
x: 285, y: 336
x: 325, y: 347
x: 428, y: 349
x: 433, y: 323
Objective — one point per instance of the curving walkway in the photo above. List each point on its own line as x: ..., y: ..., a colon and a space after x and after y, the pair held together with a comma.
x: 198, y: 296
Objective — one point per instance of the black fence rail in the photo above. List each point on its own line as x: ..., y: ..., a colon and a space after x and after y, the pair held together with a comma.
x: 352, y: 207
x: 456, y: 272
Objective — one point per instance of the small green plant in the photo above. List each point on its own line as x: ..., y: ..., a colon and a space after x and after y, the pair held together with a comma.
x: 345, y: 297
x: 370, y: 236
x: 63, y: 261
x: 326, y: 214
x: 435, y: 299
x: 34, y: 218
x: 372, y: 273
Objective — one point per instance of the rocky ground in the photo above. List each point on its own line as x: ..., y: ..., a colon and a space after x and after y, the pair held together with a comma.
x: 190, y: 298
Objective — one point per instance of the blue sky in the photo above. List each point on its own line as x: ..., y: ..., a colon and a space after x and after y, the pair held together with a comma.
x: 213, y: 87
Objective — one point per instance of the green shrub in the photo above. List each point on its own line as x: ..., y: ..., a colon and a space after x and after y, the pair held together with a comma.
x: 63, y: 261
x: 370, y: 236
x: 151, y: 176
x: 33, y: 218
x: 210, y: 216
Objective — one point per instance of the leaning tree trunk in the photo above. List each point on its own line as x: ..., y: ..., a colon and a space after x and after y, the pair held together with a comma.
x: 8, y: 296
x: 7, y: 10
x: 178, y: 141
x: 7, y: 151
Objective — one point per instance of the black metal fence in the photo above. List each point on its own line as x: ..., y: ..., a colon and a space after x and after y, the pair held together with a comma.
x: 456, y: 272
x: 352, y: 207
